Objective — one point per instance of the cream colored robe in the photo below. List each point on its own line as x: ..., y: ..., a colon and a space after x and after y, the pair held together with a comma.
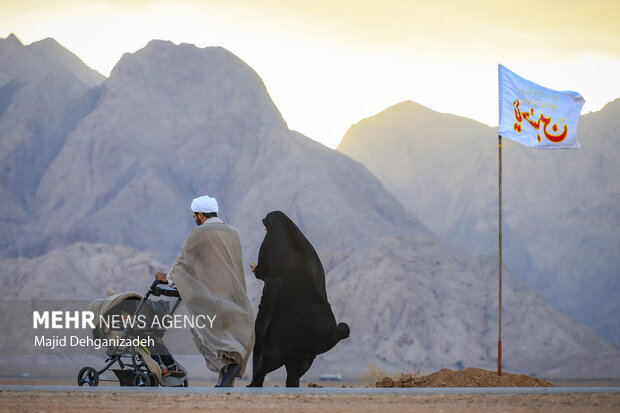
x: 209, y: 276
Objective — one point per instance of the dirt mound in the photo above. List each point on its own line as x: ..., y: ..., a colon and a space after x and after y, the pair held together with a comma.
x: 470, y: 377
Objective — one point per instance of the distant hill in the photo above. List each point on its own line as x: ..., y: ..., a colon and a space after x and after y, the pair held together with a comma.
x: 55, y: 55
x: 412, y: 304
x: 561, y: 208
x: 402, y: 296
x: 42, y: 98
x: 110, y: 203
x: 81, y: 271
x: 175, y: 122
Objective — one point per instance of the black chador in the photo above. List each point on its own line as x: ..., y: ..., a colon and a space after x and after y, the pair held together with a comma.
x: 295, y: 321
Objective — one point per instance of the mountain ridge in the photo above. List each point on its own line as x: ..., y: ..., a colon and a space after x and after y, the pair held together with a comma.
x: 402, y: 297
x: 41, y: 102
x: 174, y: 122
x: 561, y: 202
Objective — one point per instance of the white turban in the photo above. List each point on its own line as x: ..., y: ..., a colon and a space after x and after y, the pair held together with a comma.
x: 204, y: 204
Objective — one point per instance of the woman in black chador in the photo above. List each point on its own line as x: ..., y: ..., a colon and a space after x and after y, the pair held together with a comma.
x: 295, y: 321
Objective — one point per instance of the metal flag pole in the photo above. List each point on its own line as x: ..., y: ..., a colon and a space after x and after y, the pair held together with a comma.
x: 499, y: 338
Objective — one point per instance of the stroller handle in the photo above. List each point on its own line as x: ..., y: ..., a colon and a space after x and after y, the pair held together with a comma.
x: 166, y: 291
x: 156, y: 283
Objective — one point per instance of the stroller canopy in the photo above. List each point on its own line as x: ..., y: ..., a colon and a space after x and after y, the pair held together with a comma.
x: 101, y: 306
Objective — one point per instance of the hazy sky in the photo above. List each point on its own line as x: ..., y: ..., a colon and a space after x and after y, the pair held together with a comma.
x: 328, y: 64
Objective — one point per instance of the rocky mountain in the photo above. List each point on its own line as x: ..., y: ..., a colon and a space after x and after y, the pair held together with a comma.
x: 67, y: 279
x: 174, y: 122
x: 42, y: 58
x: 44, y: 91
x: 561, y: 215
x: 403, y: 297
x: 413, y: 304
x: 53, y: 54
x: 82, y: 271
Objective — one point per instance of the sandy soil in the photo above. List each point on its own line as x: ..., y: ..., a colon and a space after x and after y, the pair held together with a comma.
x: 50, y: 402
x: 68, y: 401
x: 470, y: 377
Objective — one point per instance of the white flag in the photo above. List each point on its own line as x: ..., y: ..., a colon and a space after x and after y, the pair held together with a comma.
x: 537, y: 116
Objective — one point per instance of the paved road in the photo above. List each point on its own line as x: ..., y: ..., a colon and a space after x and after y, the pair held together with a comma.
x: 326, y: 390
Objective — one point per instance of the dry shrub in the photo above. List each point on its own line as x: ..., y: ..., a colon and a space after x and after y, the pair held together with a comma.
x: 374, y: 375
x: 369, y: 378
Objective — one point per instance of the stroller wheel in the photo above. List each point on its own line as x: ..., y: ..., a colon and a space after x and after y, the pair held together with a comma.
x: 141, y: 379
x: 89, y: 376
x: 154, y: 381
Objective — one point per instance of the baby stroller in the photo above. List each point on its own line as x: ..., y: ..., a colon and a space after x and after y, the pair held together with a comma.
x: 137, y: 366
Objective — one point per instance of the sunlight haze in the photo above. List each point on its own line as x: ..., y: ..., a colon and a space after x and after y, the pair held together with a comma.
x: 328, y: 64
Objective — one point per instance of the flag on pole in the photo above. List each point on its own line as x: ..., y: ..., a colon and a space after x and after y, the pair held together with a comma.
x: 537, y: 116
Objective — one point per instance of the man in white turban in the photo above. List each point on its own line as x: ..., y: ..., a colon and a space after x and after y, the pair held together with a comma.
x: 209, y: 276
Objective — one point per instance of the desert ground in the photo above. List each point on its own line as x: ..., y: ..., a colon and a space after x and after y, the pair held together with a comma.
x: 201, y: 397
x: 70, y: 401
